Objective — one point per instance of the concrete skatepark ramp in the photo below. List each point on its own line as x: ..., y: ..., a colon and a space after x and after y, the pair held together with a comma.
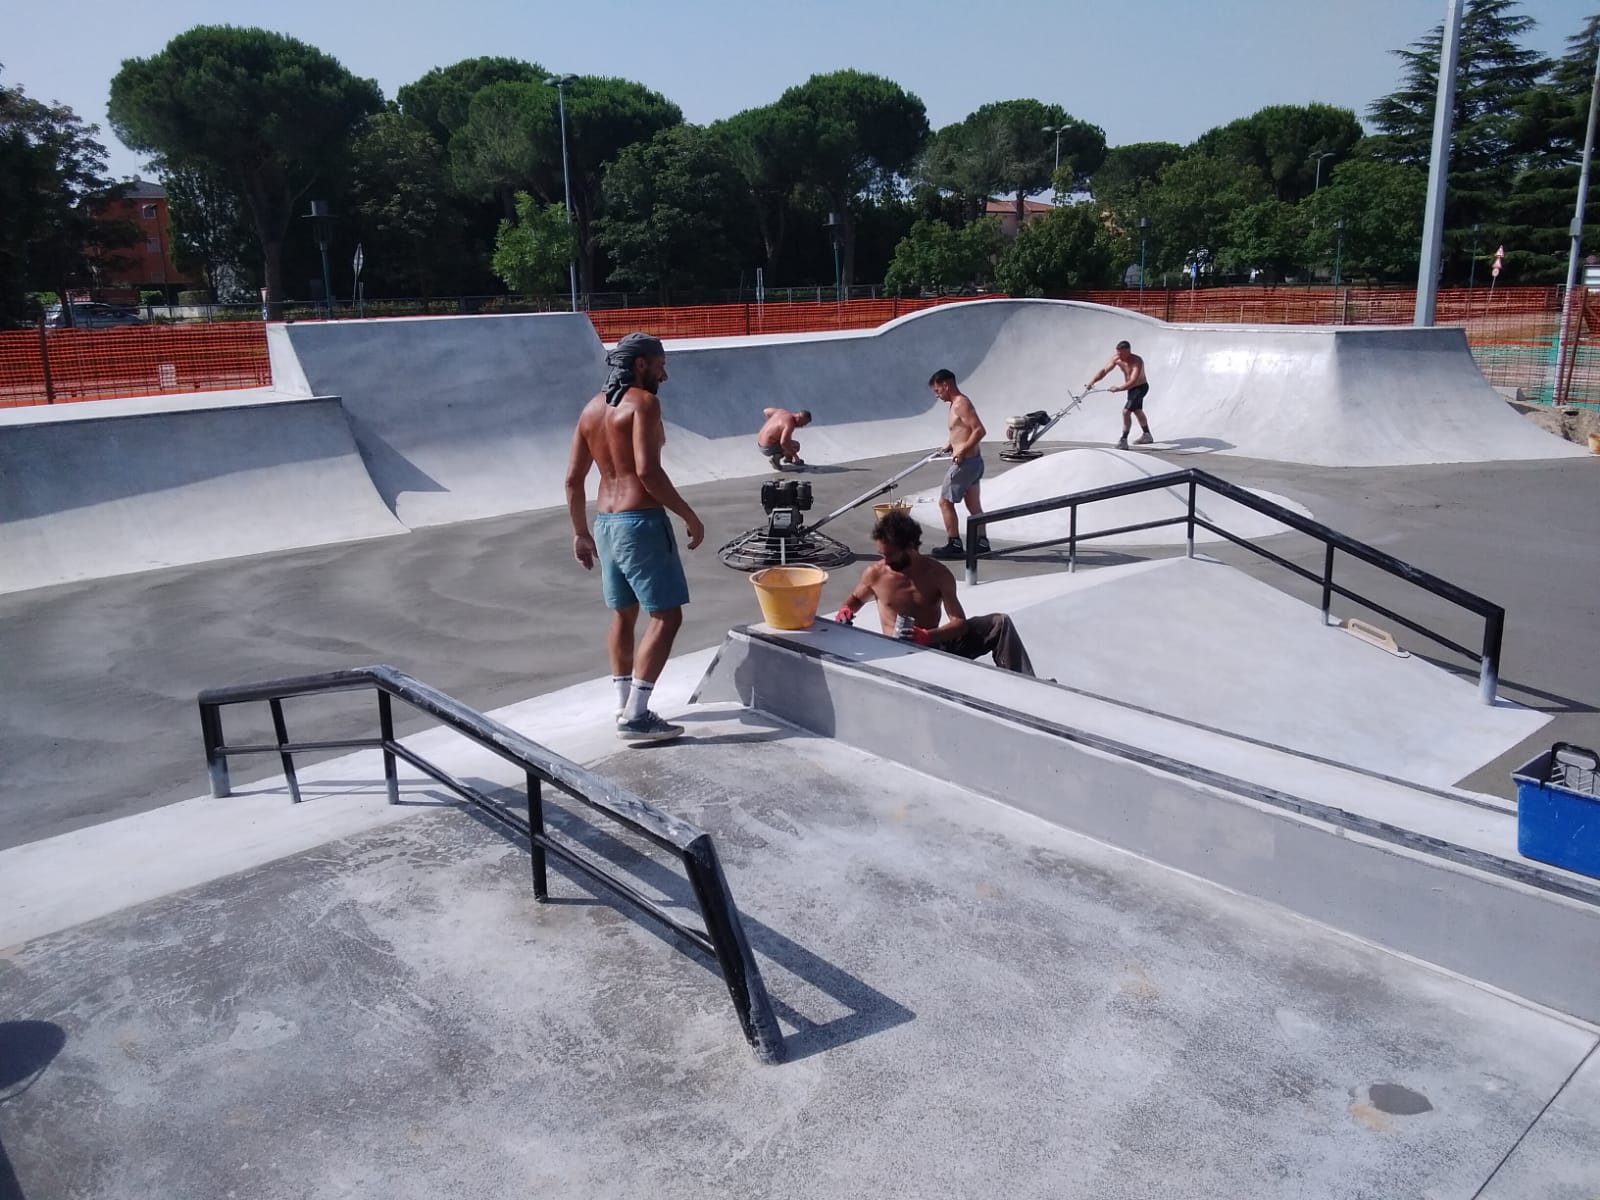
x: 458, y: 418
x: 84, y: 496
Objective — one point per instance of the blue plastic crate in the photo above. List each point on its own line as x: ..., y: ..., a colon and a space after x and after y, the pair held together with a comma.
x: 1558, y: 809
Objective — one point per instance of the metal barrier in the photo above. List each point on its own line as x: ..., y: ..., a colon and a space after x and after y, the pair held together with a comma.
x: 723, y: 937
x: 1493, y: 615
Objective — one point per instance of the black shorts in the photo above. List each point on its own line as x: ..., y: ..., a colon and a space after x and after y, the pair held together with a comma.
x: 1136, y: 397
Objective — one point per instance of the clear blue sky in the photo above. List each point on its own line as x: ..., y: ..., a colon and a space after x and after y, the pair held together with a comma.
x: 1143, y: 70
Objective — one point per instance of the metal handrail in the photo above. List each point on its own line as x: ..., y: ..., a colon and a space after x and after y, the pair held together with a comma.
x: 723, y: 936
x: 1493, y: 615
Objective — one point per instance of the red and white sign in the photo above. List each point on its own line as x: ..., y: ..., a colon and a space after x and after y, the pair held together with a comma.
x: 1499, y: 261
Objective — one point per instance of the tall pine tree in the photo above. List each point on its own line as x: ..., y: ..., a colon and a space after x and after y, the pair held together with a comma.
x: 1488, y: 147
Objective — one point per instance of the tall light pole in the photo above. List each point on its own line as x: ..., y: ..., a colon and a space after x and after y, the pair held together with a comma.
x: 559, y: 82
x: 1577, y: 230
x: 1058, y: 130
x: 1144, y: 228
x: 1438, y: 168
x: 1325, y: 154
x: 1338, y: 252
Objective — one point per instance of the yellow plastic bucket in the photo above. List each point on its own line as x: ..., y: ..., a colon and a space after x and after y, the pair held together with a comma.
x: 880, y: 511
x: 789, y: 595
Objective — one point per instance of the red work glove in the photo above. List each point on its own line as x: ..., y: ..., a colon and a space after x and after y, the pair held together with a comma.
x: 919, y: 635
x: 844, y: 616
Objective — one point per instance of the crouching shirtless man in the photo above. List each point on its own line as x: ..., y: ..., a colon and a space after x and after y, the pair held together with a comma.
x: 906, y: 582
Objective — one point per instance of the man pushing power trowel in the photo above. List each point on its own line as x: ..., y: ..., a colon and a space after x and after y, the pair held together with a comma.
x: 1023, y: 432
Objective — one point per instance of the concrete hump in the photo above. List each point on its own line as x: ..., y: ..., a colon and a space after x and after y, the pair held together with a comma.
x: 457, y: 417
x: 95, y: 496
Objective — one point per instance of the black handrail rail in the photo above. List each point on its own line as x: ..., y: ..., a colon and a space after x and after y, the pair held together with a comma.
x: 1493, y: 615
x: 723, y: 937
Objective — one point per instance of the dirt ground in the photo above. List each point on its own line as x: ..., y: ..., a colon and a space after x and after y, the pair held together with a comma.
x: 1575, y: 422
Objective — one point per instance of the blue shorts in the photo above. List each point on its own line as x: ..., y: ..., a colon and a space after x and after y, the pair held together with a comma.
x: 639, y: 562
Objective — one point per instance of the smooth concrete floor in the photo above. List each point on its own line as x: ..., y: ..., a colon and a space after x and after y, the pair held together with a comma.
x: 976, y: 1004
x: 98, y: 717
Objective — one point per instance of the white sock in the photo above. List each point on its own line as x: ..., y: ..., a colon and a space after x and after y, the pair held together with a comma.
x: 638, y: 700
x: 624, y: 685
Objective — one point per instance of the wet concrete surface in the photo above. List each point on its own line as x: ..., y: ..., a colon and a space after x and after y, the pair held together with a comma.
x: 98, y: 719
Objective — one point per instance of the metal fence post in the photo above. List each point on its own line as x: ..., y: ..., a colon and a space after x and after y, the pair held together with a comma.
x: 1327, y: 582
x: 1489, y: 666
x: 216, y: 761
x: 541, y: 882
x: 1072, y: 539
x: 1189, y: 541
x: 44, y: 362
x: 391, y: 779
x: 280, y: 728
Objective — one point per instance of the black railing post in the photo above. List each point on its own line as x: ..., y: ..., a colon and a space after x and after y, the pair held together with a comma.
x: 280, y: 728
x: 216, y: 761
x: 1072, y: 539
x: 975, y: 527
x: 1189, y: 542
x: 541, y: 882
x: 1327, y: 582
x: 391, y: 780
x: 734, y: 956
x: 1489, y: 666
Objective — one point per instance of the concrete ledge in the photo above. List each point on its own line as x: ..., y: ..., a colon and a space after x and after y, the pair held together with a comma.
x: 1513, y: 924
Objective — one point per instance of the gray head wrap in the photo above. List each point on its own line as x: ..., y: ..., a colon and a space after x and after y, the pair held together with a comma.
x: 620, y: 360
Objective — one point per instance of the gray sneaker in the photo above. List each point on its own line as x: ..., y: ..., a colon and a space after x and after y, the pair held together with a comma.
x: 648, y: 728
x: 1145, y: 440
x: 1122, y: 442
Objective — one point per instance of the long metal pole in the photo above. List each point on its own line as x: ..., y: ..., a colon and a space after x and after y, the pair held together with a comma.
x: 1438, y: 167
x: 566, y: 186
x: 1577, y: 231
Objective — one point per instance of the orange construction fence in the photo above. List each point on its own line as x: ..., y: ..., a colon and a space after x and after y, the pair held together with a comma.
x: 132, y: 360
x: 1512, y: 331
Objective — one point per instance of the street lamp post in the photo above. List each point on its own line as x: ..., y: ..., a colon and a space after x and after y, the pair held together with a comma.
x: 1472, y: 267
x: 1319, y: 158
x: 1338, y: 252
x: 559, y: 82
x: 319, y: 214
x: 1144, y: 229
x: 835, y: 228
x: 1058, y: 130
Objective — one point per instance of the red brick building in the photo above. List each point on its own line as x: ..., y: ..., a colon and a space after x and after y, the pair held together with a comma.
x: 1006, y: 210
x: 147, y: 263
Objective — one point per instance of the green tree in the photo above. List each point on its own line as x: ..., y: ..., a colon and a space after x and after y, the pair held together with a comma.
x: 1489, y: 142
x: 268, y: 114
x: 1381, y: 205
x: 441, y: 98
x: 934, y: 255
x: 1066, y: 250
x: 1269, y: 235
x: 1191, y: 207
x: 668, y: 205
x: 765, y: 146
x: 1003, y: 149
x: 512, y: 142
x: 532, y: 254
x: 1282, y: 141
x: 1127, y: 169
x: 858, y: 133
x: 51, y: 171
x: 211, y: 230
x: 401, y: 191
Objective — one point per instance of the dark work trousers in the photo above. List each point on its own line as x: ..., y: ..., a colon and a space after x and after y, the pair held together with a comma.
x: 992, y: 634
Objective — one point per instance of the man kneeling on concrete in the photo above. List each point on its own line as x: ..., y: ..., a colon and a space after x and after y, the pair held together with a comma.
x: 913, y: 591
x: 776, y: 437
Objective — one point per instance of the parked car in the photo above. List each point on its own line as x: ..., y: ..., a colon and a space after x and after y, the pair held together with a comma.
x: 91, y: 316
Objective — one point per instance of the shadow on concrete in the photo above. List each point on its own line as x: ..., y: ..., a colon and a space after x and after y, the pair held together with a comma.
x: 1529, y: 697
x: 1195, y: 445
x: 392, y: 473
x: 26, y: 1049
x: 867, y: 1010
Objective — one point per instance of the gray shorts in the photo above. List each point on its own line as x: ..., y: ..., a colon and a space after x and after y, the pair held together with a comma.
x: 961, y: 478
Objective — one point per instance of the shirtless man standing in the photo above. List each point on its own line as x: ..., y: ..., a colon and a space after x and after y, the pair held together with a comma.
x: 966, y: 464
x: 1137, y: 387
x: 776, y: 439
x: 621, y: 432
x: 905, y: 583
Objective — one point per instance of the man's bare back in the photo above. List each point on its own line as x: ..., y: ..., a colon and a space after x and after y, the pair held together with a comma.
x: 610, y: 435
